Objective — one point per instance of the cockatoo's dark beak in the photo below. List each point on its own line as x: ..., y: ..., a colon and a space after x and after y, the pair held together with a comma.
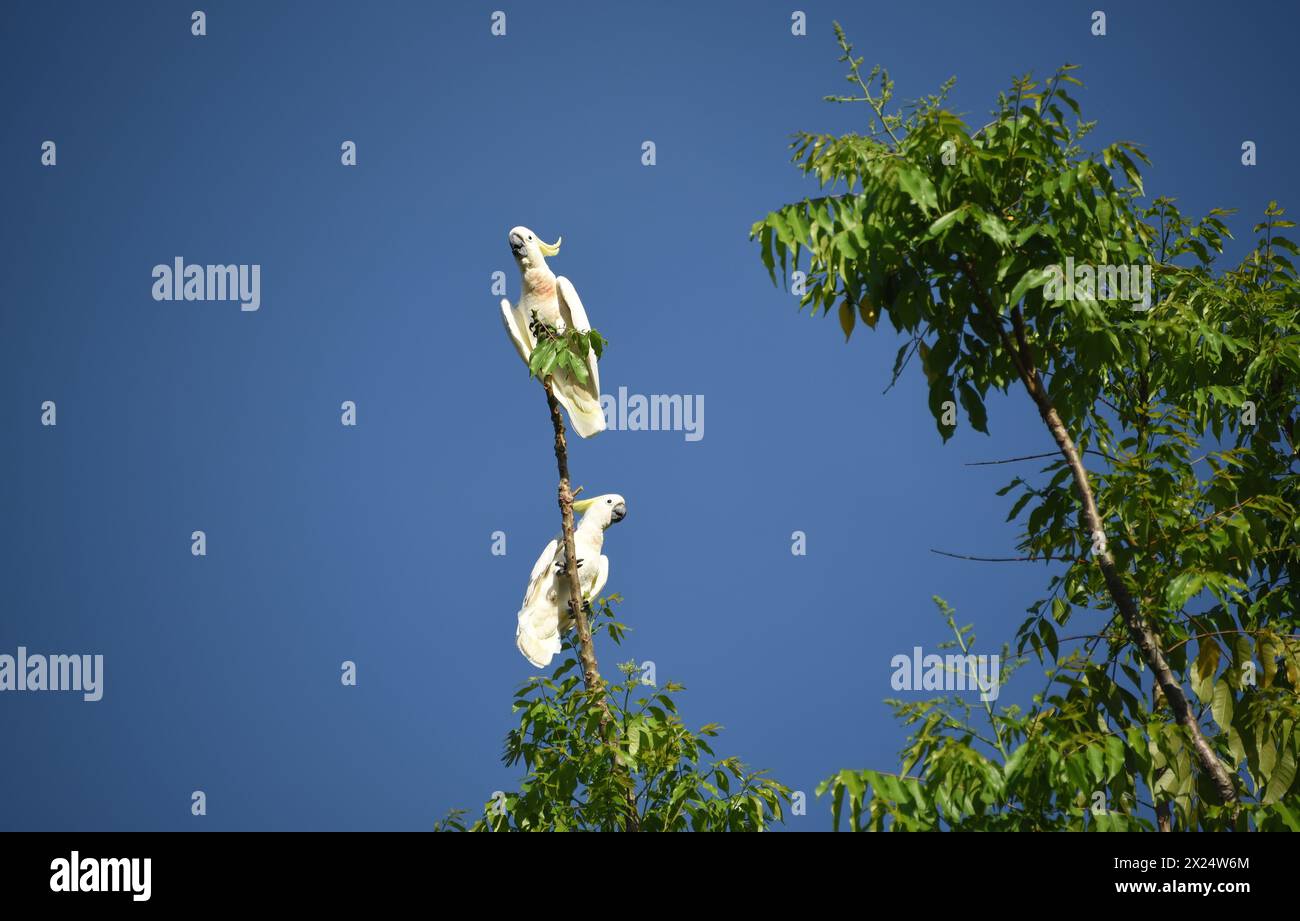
x: 516, y: 244
x: 619, y: 513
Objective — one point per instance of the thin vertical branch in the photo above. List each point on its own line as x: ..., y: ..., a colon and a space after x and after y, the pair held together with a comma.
x: 586, y: 649
x: 988, y: 708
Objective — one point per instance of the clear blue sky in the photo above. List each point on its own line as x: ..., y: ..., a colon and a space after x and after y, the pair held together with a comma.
x: 372, y: 544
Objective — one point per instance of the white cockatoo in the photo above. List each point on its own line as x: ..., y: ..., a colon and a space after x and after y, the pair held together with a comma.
x: 555, y: 301
x: 545, y: 615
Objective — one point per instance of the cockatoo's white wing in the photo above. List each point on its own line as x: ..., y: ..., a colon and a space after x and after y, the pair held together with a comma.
x: 582, y: 400
x: 602, y: 576
x: 520, y: 337
x: 538, y: 632
x: 540, y: 579
x: 570, y: 305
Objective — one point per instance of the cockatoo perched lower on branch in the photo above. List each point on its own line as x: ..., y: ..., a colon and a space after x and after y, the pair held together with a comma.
x: 545, y: 615
x: 555, y: 301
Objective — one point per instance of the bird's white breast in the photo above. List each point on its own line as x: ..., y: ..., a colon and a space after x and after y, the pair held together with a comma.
x: 540, y: 297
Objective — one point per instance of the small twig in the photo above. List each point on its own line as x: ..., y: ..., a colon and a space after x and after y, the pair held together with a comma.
x: 1027, y: 457
x: 907, y: 359
x: 1002, y: 559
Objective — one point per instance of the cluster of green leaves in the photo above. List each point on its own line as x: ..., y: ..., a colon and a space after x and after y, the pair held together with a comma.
x: 578, y: 777
x: 1186, y: 414
x: 1084, y: 757
x: 567, y: 351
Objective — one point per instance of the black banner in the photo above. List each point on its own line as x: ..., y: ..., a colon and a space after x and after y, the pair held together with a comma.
x: 243, y: 869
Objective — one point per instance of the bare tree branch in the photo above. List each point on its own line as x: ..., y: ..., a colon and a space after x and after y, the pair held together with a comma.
x: 1027, y: 457
x: 998, y: 559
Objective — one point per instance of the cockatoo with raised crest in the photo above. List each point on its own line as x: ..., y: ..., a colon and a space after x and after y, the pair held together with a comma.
x: 555, y: 301
x: 545, y: 615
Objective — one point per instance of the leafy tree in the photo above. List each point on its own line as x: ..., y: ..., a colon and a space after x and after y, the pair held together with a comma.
x: 610, y: 757
x: 579, y: 779
x: 1176, y: 542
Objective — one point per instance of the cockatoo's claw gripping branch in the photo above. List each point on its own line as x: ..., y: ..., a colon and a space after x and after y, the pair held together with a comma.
x: 586, y: 649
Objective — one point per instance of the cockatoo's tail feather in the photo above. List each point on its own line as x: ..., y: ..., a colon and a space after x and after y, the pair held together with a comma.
x: 587, y: 419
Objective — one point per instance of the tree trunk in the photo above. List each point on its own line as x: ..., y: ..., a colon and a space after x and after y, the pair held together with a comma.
x: 1139, y: 631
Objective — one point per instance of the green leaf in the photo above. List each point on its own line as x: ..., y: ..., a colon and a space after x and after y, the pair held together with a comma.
x: 1205, y: 668
x: 1221, y: 705
x: 994, y: 229
x: 955, y: 216
x: 1282, y: 778
x: 1097, y: 763
x: 919, y: 188
x: 1034, y: 278
x: 1114, y: 756
x: 1048, y: 633
x: 974, y: 406
x: 846, y: 319
x: 1182, y: 588
x: 1289, y: 816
